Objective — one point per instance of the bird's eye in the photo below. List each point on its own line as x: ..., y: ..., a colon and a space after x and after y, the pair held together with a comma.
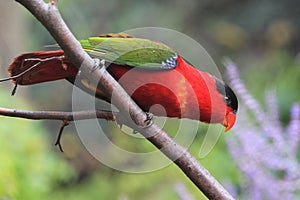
x: 227, y: 100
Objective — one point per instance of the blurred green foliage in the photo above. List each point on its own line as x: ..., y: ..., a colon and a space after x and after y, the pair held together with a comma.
x: 262, y: 37
x: 29, y: 169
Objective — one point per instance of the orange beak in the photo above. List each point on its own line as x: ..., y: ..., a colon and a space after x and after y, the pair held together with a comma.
x: 229, y: 121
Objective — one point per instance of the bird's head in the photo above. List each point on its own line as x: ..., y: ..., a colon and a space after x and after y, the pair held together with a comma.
x: 231, y: 102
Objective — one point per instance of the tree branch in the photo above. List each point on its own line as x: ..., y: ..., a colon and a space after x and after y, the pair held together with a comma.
x: 49, y: 16
x: 58, y: 115
x: 66, y: 117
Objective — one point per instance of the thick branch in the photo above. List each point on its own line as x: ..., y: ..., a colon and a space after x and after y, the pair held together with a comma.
x: 49, y: 16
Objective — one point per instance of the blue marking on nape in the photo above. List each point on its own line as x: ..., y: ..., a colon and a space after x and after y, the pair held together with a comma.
x: 170, y: 63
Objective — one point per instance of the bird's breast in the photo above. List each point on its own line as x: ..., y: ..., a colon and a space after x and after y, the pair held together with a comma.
x: 161, y: 92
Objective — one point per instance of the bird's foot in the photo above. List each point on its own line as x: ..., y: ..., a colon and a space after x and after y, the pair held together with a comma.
x: 148, y: 120
x: 98, y: 64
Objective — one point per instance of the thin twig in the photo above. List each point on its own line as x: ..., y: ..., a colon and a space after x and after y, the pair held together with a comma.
x: 59, y: 115
x: 64, y: 124
x: 66, y: 117
x: 13, y: 92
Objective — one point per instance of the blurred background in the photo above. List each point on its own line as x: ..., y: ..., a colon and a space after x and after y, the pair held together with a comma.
x: 261, y: 37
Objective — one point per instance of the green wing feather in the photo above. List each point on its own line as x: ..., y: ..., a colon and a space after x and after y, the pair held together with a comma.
x: 135, y: 52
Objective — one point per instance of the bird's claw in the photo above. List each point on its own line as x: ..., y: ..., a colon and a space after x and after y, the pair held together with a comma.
x: 98, y: 64
x: 148, y: 120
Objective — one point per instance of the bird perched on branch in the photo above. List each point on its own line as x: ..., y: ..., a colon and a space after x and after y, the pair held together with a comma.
x: 151, y: 72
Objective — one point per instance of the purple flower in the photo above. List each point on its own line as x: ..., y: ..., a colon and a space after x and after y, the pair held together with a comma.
x: 264, y: 150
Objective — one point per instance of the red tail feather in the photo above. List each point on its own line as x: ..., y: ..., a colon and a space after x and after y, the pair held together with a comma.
x: 49, y: 70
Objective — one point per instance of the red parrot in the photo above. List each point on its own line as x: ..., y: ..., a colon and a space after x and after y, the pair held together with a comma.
x: 151, y: 72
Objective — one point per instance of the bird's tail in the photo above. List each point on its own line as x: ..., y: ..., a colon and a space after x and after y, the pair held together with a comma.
x: 43, y: 66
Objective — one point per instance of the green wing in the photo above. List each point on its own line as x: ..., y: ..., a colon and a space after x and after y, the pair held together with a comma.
x: 135, y: 52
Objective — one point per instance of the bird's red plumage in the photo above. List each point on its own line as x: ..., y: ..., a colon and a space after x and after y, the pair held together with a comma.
x: 183, y: 92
